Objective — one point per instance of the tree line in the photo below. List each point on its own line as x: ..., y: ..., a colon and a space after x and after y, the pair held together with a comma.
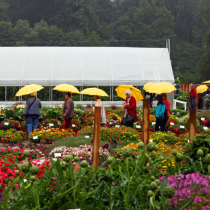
x: 132, y: 23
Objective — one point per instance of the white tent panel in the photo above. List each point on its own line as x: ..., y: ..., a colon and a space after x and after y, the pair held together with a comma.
x: 84, y: 65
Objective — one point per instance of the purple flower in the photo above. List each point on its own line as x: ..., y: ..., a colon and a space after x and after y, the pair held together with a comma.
x: 89, y: 149
x: 114, y: 141
x: 105, y: 146
x: 91, y: 141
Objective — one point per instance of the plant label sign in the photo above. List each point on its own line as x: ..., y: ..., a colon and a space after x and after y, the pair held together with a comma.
x: 87, y: 137
x: 51, y: 124
x: 57, y: 154
x: 181, y: 126
x: 117, y: 126
x: 205, y: 128
x: 153, y: 123
x: 6, y: 123
x: 35, y: 137
x: 138, y: 126
x: 73, y: 125
x: 202, y: 118
x: 171, y: 123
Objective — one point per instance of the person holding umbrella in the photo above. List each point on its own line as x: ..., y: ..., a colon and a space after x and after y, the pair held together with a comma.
x: 32, y: 113
x: 167, y: 108
x: 103, y: 112
x: 160, y: 114
x: 130, y: 113
x: 68, y: 110
x: 193, y: 95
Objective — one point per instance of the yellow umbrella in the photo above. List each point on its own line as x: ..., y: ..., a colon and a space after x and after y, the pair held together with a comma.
x: 135, y: 92
x: 162, y: 87
x: 206, y: 81
x: 148, y: 86
x: 93, y: 92
x: 28, y: 89
x: 66, y: 88
x: 201, y: 88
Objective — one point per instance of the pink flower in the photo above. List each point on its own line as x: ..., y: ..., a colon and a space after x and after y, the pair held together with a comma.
x: 113, y: 183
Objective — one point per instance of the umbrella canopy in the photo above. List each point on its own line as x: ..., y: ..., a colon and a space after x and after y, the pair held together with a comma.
x: 162, y: 87
x: 135, y: 92
x: 93, y: 92
x: 206, y: 81
x: 66, y: 88
x: 28, y: 89
x: 148, y: 86
x: 201, y: 88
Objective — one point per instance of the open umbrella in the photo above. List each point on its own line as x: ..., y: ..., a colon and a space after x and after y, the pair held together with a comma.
x: 201, y: 88
x: 148, y: 86
x: 28, y: 89
x: 162, y: 87
x: 206, y: 81
x: 66, y: 88
x: 135, y: 92
x: 93, y: 92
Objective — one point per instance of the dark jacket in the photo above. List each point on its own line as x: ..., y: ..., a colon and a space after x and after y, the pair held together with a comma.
x: 68, y: 109
x: 34, y: 109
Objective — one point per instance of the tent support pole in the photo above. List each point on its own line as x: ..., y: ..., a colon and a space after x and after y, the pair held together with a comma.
x: 51, y: 93
x: 5, y: 93
x: 112, y: 93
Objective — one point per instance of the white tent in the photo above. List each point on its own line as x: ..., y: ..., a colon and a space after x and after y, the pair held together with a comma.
x: 84, y: 66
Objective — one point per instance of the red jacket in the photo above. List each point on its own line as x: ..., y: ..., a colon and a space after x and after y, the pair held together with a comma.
x: 167, y: 106
x: 193, y: 93
x: 131, y: 107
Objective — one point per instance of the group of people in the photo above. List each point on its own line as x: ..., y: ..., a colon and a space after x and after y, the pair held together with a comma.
x: 33, y: 105
x: 199, y: 96
x: 162, y: 111
x: 32, y: 113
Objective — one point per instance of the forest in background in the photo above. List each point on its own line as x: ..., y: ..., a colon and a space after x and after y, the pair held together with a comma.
x: 132, y: 23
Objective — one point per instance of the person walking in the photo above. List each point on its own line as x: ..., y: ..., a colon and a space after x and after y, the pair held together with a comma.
x: 32, y: 113
x: 103, y: 112
x: 159, y: 114
x: 193, y: 94
x: 68, y: 110
x: 130, y: 113
x: 200, y: 100
x: 167, y: 108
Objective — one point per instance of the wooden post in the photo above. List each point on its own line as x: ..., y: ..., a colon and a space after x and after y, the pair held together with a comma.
x: 96, y: 136
x: 146, y: 107
x: 192, y: 122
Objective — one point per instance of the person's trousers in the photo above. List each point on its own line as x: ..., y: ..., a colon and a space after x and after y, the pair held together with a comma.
x: 192, y: 103
x: 32, y: 124
x: 200, y: 103
x: 165, y: 121
x: 68, y: 124
x: 160, y: 123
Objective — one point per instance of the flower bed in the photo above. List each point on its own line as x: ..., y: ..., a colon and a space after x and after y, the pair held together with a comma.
x: 49, y: 135
x: 11, y: 136
x: 84, y: 152
x: 113, y: 134
x: 186, y: 186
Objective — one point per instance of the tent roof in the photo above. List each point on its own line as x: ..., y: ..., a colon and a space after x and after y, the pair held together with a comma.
x: 89, y: 66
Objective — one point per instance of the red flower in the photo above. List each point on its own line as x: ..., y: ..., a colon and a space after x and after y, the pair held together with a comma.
x: 13, y: 111
x: 7, y: 164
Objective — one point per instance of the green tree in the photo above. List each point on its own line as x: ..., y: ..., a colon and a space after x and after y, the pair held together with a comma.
x: 6, y: 32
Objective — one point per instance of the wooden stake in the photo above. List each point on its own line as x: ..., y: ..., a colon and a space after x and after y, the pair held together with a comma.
x: 192, y: 122
x: 146, y: 107
x: 96, y: 136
